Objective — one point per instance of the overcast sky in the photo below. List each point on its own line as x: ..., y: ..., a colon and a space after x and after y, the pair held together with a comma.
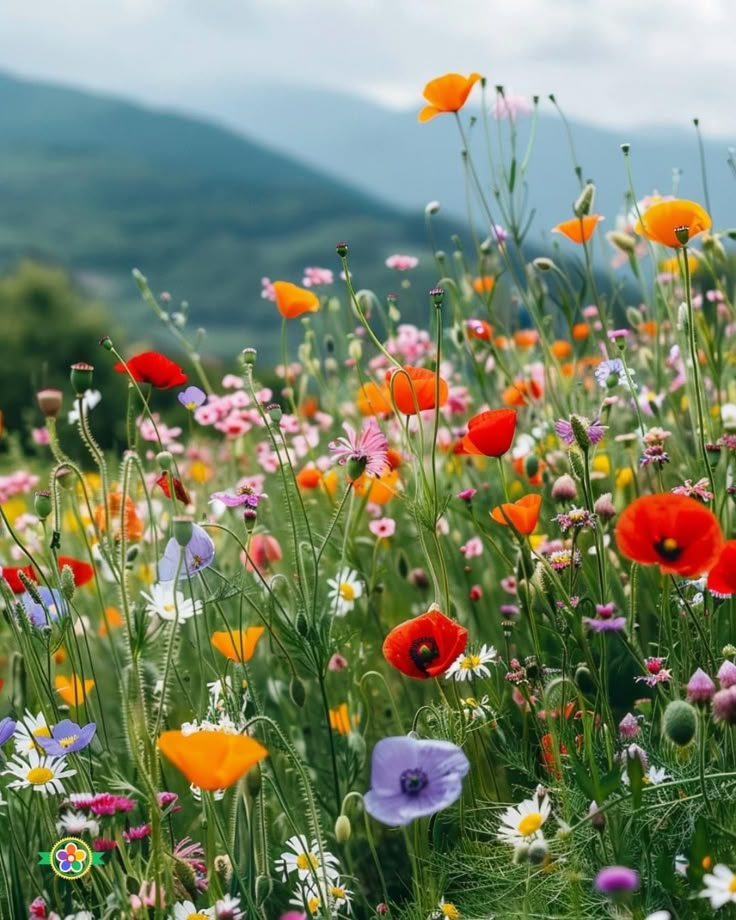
x: 621, y: 63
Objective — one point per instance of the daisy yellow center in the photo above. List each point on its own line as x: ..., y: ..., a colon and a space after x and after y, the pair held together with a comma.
x: 313, y: 905
x: 69, y: 740
x: 197, y: 915
x: 169, y: 607
x: 305, y: 861
x: 469, y: 662
x: 530, y: 824
x: 449, y: 910
x: 41, y: 732
x: 732, y: 885
x: 39, y: 776
x: 337, y: 892
x: 347, y: 592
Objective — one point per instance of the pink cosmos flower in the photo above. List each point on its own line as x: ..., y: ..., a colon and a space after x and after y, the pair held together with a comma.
x: 473, y: 548
x: 384, y: 527
x: 368, y: 448
x: 402, y: 263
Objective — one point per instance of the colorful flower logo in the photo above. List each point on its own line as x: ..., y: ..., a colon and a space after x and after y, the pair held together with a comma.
x: 71, y: 858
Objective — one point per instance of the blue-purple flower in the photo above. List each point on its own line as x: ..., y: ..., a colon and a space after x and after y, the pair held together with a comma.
x: 580, y: 429
x: 47, y: 612
x: 605, y: 621
x: 198, y: 554
x: 66, y: 738
x: 192, y: 398
x: 7, y: 729
x: 412, y: 778
x: 611, y: 373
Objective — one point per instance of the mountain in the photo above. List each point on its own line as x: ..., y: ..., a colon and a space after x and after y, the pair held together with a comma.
x: 408, y: 164
x: 102, y: 186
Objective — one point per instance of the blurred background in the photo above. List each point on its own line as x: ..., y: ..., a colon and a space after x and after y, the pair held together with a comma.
x: 212, y: 145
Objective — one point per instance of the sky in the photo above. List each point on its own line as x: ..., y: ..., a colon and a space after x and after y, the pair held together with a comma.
x: 615, y: 63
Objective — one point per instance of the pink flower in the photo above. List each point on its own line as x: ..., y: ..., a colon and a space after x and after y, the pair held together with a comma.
x: 40, y: 436
x: 475, y: 593
x: 263, y: 550
x: 367, y: 449
x: 467, y: 494
x: 267, y: 290
x: 509, y: 107
x: 384, y: 527
x: 314, y: 276
x: 337, y: 663
x: 473, y: 548
x: 402, y: 263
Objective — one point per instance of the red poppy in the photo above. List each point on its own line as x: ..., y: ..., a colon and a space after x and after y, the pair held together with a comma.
x: 181, y: 493
x: 414, y: 389
x: 425, y: 646
x: 478, y: 329
x: 722, y: 577
x: 490, y: 433
x: 674, y: 531
x: 523, y: 513
x: 154, y: 368
x: 10, y: 574
x: 82, y: 572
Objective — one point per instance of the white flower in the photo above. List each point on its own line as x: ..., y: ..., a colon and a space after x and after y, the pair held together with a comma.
x: 166, y: 603
x: 38, y: 772
x: 728, y: 416
x: 304, y: 859
x: 228, y: 908
x: 720, y: 886
x: 74, y: 822
x: 89, y: 401
x: 654, y: 776
x: 185, y: 910
x: 476, y: 709
x: 28, y: 728
x: 470, y: 665
x: 314, y: 895
x: 659, y: 915
x: 217, y: 794
x: 521, y: 824
x: 344, y: 591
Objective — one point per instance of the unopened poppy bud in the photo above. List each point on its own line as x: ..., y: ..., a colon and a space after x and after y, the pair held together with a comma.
x: 274, y: 411
x: 531, y: 465
x: 65, y: 478
x: 106, y: 342
x: 438, y: 295
x: 432, y: 208
x: 543, y: 264
x: 341, y: 249
x: 584, y: 679
x: 248, y: 356
x: 343, y: 829
x: 418, y: 578
x: 49, y: 402
x: 165, y: 460
x: 576, y: 463
x: 264, y: 887
x: 394, y: 314
x: 81, y: 377
x: 182, y: 528
x: 302, y: 626
x: 679, y: 723
x: 622, y: 241
x: 355, y: 350
x: 67, y: 582
x: 712, y: 243
x: 597, y: 818
x: 253, y: 781
x: 538, y: 852
x: 585, y: 201
x: 249, y: 518
x: 42, y: 505
x: 297, y: 692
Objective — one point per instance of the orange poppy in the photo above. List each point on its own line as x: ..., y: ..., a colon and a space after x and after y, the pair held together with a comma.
x: 425, y: 646
x: 211, y: 760
x: 394, y: 458
x: 648, y: 327
x: 340, y: 719
x: 490, y: 433
x: 674, y: 531
x: 526, y: 338
x: 309, y: 478
x: 484, y: 284
x: 448, y: 93
x: 293, y: 301
x: 113, y: 620
x: 380, y: 489
x: 132, y: 525
x: 523, y: 513
x: 580, y: 331
x: 579, y: 229
x: 478, y: 329
x: 501, y: 342
x: 236, y: 644
x: 414, y: 389
x: 308, y: 407
x: 373, y: 399
x: 561, y: 349
x: 72, y: 690
x: 722, y: 577
x: 524, y: 466
x: 517, y: 393
x: 673, y: 223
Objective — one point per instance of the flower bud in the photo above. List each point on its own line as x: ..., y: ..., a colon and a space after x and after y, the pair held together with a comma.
x: 356, y: 466
x: 585, y: 201
x: 42, y: 505
x: 248, y: 357
x: 597, y: 818
x: 343, y: 829
x: 355, y: 350
x: 341, y: 249
x: 253, y: 781
x: 182, y: 528
x: 432, y: 208
x: 249, y: 519
x: 67, y: 582
x: 438, y: 295
x: 274, y: 412
x: 538, y: 852
x: 700, y: 688
x: 543, y: 264
x: 297, y: 692
x: 81, y: 377
x: 106, y: 342
x: 679, y: 723
x: 165, y: 460
x: 576, y: 463
x: 603, y: 506
x: 622, y: 241
x: 629, y: 727
x: 564, y: 488
x: 723, y: 705
x: 49, y: 402
x: 223, y: 869
x: 727, y: 675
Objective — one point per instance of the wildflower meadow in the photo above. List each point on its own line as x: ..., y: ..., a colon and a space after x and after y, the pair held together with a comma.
x: 438, y: 625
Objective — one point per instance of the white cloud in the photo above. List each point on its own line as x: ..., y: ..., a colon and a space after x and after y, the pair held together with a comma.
x: 622, y: 64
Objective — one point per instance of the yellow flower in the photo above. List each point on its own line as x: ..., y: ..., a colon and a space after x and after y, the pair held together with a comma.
x: 624, y: 477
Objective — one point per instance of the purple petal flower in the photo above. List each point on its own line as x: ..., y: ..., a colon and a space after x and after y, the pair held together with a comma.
x: 615, y: 624
x: 727, y: 674
x: 700, y: 688
x: 564, y: 430
x: 47, y: 612
x: 628, y: 727
x: 412, y: 778
x: 192, y: 398
x: 244, y: 495
x: 617, y: 880
x: 368, y: 448
x: 66, y: 738
x: 7, y: 729
x: 198, y: 554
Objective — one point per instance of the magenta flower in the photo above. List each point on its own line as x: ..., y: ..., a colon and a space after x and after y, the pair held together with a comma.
x: 700, y: 688
x: 617, y: 880
x: 629, y: 727
x: 412, y: 778
x: 402, y: 263
x: 243, y: 495
x: 594, y: 431
x: 366, y: 451
x: 727, y: 674
x: 605, y: 621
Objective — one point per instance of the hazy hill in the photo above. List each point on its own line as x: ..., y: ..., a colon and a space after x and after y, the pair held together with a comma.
x: 102, y: 186
x: 409, y: 164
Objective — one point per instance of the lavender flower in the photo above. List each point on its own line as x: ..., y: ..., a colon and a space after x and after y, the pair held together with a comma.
x: 605, y: 621
x: 243, y: 495
x: 7, y: 729
x: 617, y: 880
x: 67, y: 738
x: 192, y: 398
x: 700, y: 688
x: 412, y: 778
x: 48, y: 611
x: 365, y: 451
x: 591, y: 432
x: 727, y: 675
x: 199, y: 553
x: 611, y: 373
x: 628, y: 727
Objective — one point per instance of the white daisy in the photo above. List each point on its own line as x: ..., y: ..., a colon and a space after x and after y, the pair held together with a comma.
x: 720, y: 886
x: 228, y: 908
x: 165, y: 602
x: 521, y: 824
x: 76, y: 823
x: 185, y: 910
x: 29, y: 728
x: 90, y: 399
x: 304, y: 859
x: 344, y: 591
x: 653, y: 777
x: 38, y: 772
x: 470, y: 664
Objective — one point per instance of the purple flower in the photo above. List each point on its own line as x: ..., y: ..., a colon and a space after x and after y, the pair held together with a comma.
x: 614, y: 624
x: 198, y: 554
x: 727, y: 674
x: 628, y: 727
x: 700, y: 688
x: 47, y: 612
x: 192, y: 398
x: 611, y: 373
x: 412, y: 778
x: 243, y: 495
x: 7, y: 729
x: 66, y: 738
x: 592, y: 432
x: 367, y: 450
x: 617, y: 880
